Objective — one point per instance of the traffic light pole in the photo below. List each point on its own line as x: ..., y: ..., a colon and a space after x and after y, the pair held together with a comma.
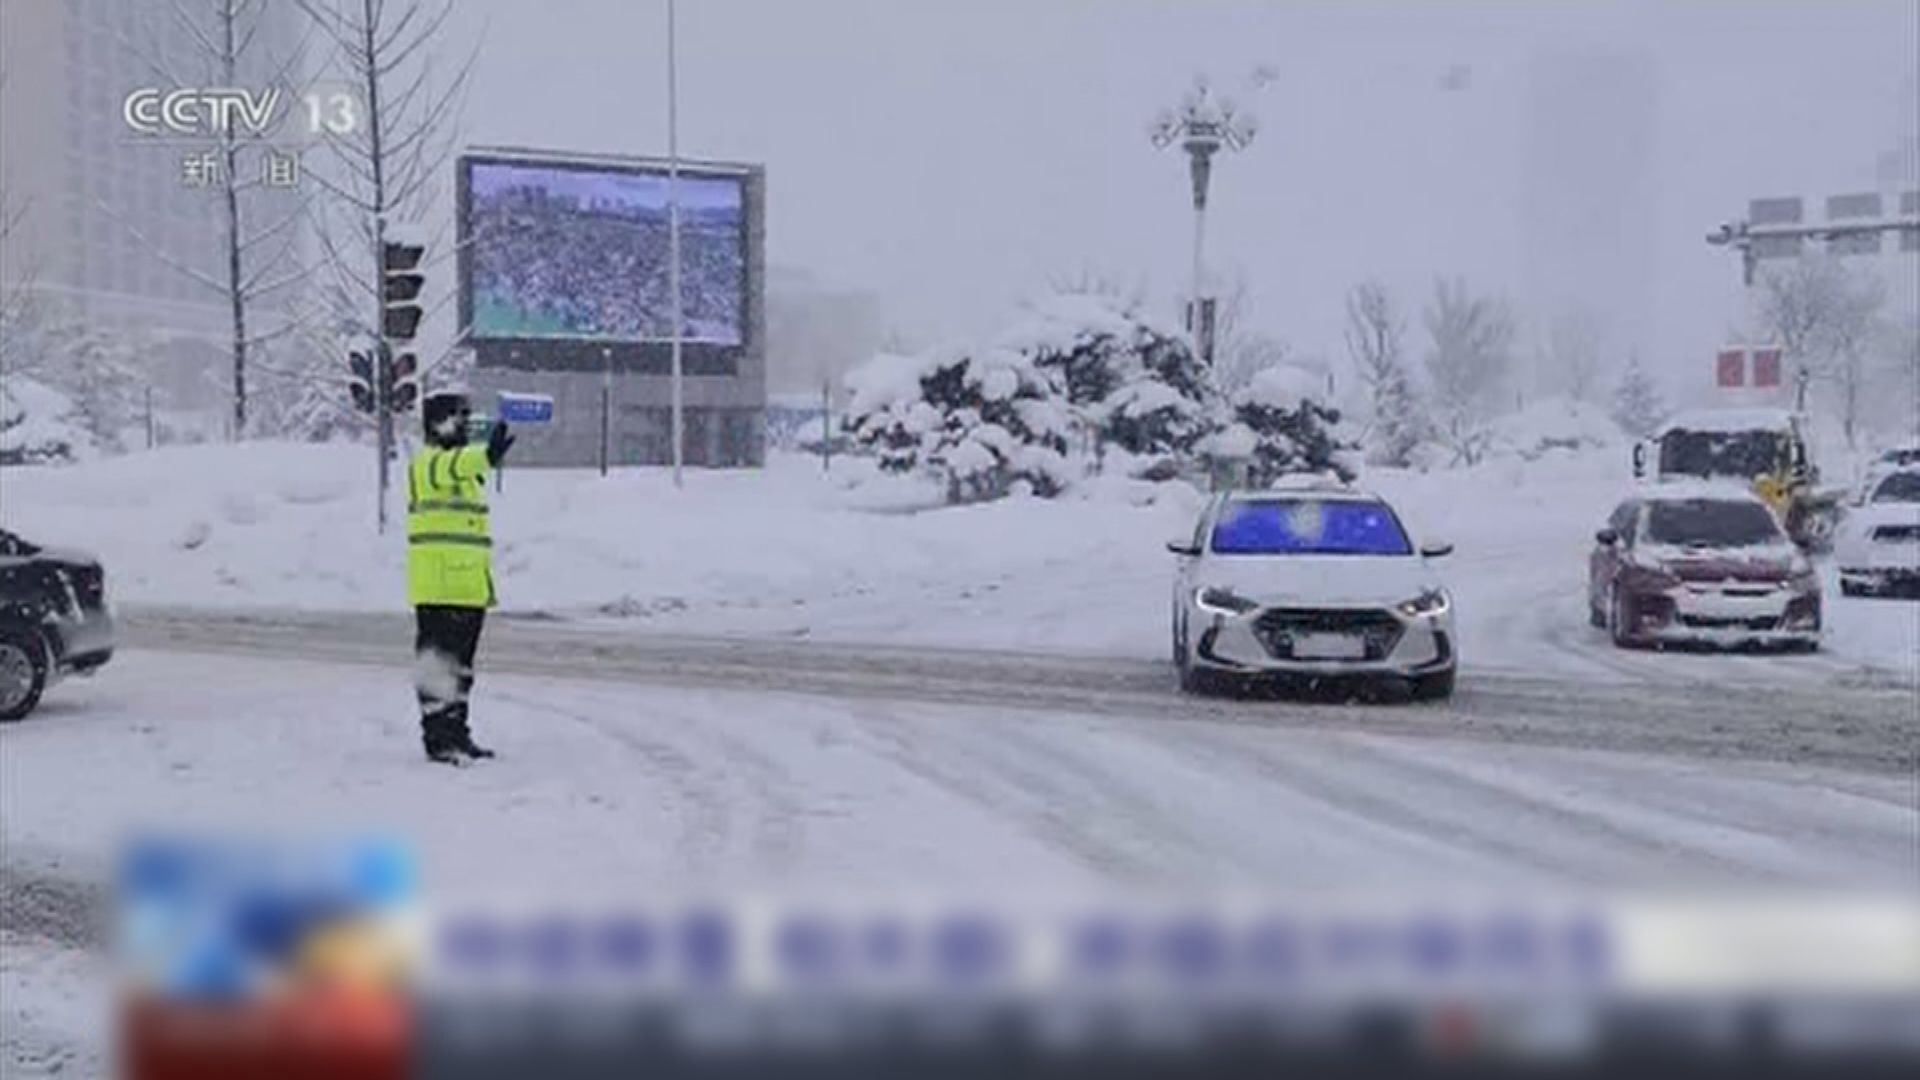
x: 1740, y: 235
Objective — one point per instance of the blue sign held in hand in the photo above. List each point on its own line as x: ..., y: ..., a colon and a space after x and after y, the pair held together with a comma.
x: 526, y: 408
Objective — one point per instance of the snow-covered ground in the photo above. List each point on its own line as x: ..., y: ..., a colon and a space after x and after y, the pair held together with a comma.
x: 55, y: 1009
x: 848, y: 555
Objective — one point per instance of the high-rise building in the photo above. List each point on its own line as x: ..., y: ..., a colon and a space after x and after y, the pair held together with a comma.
x: 1589, y: 231
x: 110, y: 230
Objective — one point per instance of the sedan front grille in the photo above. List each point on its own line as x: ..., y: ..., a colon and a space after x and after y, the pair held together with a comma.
x: 1377, y: 628
x: 1897, y: 534
x: 1713, y: 622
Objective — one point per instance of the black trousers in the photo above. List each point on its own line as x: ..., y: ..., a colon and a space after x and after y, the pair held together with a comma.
x: 444, y: 643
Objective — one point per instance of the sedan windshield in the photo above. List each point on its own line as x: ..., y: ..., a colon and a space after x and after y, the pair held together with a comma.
x: 1309, y: 527
x: 1711, y: 523
x: 1903, y: 487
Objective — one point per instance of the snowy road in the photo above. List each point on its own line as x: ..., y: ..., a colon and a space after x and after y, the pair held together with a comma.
x: 636, y: 764
x: 631, y: 761
x: 1725, y: 707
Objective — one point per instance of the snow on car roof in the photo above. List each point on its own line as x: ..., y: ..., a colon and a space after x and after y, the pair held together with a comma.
x: 1294, y: 486
x: 1679, y: 490
x: 1729, y: 420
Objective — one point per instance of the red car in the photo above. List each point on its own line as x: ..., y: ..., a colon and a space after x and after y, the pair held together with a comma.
x: 1701, y: 564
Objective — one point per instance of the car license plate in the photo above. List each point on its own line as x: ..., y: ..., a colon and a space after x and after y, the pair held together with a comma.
x: 1329, y: 647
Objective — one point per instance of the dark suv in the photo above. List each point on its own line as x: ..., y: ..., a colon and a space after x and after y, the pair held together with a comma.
x: 53, y: 620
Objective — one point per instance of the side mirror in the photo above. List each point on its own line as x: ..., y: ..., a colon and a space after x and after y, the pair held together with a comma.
x: 1607, y: 537
x: 1182, y: 547
x: 1639, y: 460
x: 1436, y: 549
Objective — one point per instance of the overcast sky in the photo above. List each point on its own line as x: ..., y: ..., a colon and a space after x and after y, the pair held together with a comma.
x: 953, y: 156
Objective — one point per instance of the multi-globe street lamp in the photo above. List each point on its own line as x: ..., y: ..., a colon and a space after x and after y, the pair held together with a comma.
x: 1203, y: 125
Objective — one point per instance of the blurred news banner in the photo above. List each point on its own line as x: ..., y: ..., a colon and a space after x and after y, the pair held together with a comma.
x: 249, y: 958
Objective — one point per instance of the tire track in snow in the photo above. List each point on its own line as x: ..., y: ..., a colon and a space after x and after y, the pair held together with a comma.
x: 706, y: 819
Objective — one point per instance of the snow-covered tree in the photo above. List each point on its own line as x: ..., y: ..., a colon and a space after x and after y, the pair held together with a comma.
x: 1471, y: 351
x: 1572, y: 355
x: 1240, y: 350
x: 260, y: 271
x: 1280, y: 425
x: 980, y: 422
x: 1637, y: 406
x: 1796, y: 305
x: 1853, y: 328
x: 382, y: 176
x: 1375, y: 336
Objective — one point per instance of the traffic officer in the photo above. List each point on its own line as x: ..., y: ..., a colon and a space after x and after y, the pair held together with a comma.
x: 449, y: 569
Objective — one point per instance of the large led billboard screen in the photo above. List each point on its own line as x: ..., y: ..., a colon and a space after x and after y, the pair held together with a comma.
x: 578, y: 251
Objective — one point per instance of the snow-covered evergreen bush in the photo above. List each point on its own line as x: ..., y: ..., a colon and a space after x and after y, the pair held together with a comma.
x: 978, y: 421
x: 101, y: 373
x: 1132, y: 382
x: 1281, y: 425
x: 38, y: 425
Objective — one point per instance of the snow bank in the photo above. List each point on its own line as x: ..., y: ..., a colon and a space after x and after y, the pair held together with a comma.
x: 857, y: 556
x: 1555, y: 425
x: 786, y: 550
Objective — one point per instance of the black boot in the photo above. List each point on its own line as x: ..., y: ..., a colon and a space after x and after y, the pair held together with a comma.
x: 447, y: 755
x: 441, y: 738
x: 460, y: 736
x: 472, y: 749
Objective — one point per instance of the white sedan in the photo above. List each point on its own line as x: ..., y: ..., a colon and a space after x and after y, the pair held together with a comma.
x: 1878, y: 548
x: 1313, y: 582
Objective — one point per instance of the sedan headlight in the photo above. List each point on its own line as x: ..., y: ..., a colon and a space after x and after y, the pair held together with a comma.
x: 1222, y: 601
x: 1648, y: 577
x: 1431, y: 602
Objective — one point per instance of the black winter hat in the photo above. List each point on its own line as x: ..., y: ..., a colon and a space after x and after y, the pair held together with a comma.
x: 440, y: 408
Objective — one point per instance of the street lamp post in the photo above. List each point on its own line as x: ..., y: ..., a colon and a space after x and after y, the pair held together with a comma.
x: 1202, y: 126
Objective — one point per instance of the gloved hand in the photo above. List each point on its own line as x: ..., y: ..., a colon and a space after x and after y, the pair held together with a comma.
x: 499, y: 441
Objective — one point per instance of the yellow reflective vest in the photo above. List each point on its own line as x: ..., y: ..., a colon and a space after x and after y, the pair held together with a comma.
x: 449, y: 557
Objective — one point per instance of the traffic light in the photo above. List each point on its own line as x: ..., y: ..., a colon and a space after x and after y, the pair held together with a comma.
x: 400, y: 285
x: 403, y: 382
x: 360, y: 380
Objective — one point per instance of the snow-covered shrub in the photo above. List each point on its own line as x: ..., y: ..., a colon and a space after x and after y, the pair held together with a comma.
x: 978, y: 421
x: 38, y: 425
x: 1131, y: 381
x: 1281, y: 425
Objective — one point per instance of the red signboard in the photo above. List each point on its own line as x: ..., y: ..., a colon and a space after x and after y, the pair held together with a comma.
x: 1731, y: 370
x: 1766, y: 367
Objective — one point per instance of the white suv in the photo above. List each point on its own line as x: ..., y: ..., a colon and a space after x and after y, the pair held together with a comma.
x: 1315, y: 581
